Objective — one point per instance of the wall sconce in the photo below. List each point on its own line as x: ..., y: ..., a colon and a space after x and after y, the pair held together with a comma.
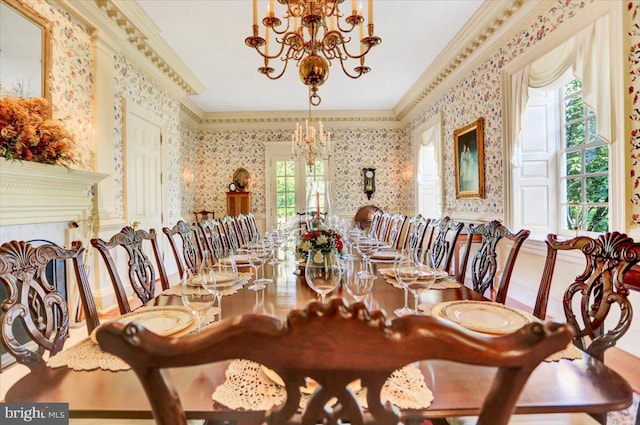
x: 187, y: 176
x: 369, y: 181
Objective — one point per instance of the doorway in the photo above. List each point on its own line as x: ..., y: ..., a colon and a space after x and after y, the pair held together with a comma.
x: 143, y: 169
x: 287, y: 180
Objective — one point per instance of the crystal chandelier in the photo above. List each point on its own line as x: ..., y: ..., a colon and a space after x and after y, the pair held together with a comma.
x: 310, y: 144
x: 316, y: 33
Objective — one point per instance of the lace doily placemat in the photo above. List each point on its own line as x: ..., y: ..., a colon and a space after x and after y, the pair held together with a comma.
x: 569, y: 353
x: 247, y: 387
x: 444, y: 283
x: 87, y: 355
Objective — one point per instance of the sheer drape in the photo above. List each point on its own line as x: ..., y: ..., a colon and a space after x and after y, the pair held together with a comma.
x: 588, y: 55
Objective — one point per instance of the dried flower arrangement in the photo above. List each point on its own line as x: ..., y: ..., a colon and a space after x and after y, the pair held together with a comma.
x: 27, y: 134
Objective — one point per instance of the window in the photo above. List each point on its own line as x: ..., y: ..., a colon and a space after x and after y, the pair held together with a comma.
x: 584, y: 172
x: 562, y: 184
x: 285, y: 190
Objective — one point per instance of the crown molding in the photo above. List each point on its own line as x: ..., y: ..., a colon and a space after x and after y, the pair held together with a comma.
x: 470, y: 42
x: 279, y: 119
x: 137, y: 37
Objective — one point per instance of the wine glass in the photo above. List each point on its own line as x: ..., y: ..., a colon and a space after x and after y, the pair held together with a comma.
x: 259, y: 253
x: 367, y: 246
x: 226, y: 274
x: 323, y: 272
x: 426, y: 279
x: 276, y: 237
x: 406, y: 271
x: 198, y: 292
x: 360, y: 285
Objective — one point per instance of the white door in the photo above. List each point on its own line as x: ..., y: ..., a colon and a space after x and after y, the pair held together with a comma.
x: 143, y: 170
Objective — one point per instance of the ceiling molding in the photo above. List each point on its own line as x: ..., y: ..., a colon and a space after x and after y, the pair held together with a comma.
x: 280, y: 119
x: 470, y: 42
x: 143, y: 34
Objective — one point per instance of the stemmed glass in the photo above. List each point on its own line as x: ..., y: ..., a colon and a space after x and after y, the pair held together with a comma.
x: 406, y: 271
x: 367, y: 246
x: 426, y: 279
x: 277, y: 237
x: 199, y: 292
x: 226, y: 274
x: 258, y: 254
x: 360, y: 284
x: 323, y: 272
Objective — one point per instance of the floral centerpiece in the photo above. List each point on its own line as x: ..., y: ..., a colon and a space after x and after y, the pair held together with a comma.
x: 322, y: 239
x: 27, y: 134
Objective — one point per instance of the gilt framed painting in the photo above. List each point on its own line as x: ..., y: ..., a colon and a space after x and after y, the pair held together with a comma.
x: 468, y: 145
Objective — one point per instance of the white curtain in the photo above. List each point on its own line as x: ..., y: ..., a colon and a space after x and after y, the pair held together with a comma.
x: 591, y: 64
x: 588, y: 55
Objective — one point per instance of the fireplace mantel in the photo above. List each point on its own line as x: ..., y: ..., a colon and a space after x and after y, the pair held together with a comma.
x: 32, y: 193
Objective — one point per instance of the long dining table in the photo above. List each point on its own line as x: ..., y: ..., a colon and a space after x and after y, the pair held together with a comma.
x: 579, y: 385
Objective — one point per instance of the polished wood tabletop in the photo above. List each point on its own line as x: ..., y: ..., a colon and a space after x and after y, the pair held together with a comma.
x: 583, y: 385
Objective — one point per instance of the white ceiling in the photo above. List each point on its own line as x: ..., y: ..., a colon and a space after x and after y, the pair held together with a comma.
x: 208, y: 35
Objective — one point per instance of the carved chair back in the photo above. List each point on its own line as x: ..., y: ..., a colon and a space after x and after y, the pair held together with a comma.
x: 376, y: 222
x: 244, y: 229
x: 363, y: 346
x: 186, y: 254
x: 601, y: 289
x: 140, y: 270
x: 34, y: 304
x: 203, y: 215
x: 231, y: 233
x: 484, y: 263
x: 255, y: 233
x: 415, y: 239
x: 212, y: 236
x: 446, y: 235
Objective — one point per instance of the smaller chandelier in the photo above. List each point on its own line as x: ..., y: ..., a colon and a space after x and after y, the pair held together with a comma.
x: 310, y: 144
x: 315, y: 34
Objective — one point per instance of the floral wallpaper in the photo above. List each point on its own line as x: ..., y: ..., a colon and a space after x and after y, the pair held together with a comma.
x: 71, y: 79
x: 480, y: 95
x: 220, y: 153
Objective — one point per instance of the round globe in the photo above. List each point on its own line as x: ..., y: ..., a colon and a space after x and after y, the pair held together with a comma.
x: 314, y: 70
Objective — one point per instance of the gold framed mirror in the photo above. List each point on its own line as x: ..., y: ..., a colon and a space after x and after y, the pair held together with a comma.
x: 25, y: 50
x: 242, y: 179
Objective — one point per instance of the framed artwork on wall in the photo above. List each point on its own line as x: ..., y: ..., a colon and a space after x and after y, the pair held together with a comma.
x: 468, y: 145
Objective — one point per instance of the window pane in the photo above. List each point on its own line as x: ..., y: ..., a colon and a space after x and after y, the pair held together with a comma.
x: 598, y: 219
x: 574, y: 190
x: 291, y: 199
x: 280, y: 168
x: 593, y: 136
x: 575, y: 217
x: 598, y: 189
x: 280, y: 200
x: 572, y: 87
x: 291, y: 167
x: 574, y: 108
x: 280, y: 184
x: 319, y: 168
x: 290, y: 184
x: 574, y: 134
x: 574, y: 163
x: 597, y: 159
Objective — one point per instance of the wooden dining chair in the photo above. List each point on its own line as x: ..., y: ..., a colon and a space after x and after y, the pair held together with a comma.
x: 203, y: 215
x: 363, y: 345
x: 35, y: 316
x: 211, y: 239
x: 253, y: 226
x: 484, y: 263
x: 442, y: 246
x: 186, y: 253
x: 142, y: 274
x: 590, y: 302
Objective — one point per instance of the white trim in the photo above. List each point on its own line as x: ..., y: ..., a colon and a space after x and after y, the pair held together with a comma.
x: 435, y: 121
x: 35, y: 193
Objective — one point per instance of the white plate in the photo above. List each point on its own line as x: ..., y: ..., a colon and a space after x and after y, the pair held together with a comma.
x: 223, y: 279
x: 483, y: 316
x: 165, y: 321
x: 384, y: 255
x: 241, y: 259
